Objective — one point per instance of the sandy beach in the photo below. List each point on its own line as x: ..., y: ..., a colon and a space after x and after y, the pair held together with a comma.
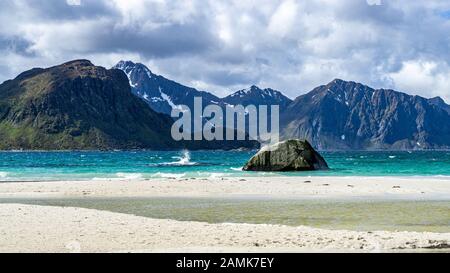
x: 271, y: 187
x: 31, y: 228
x: 52, y: 229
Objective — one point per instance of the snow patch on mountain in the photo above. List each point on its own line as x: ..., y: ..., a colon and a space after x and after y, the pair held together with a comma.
x: 148, y: 72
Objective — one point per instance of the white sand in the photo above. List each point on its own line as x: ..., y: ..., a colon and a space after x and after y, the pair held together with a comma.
x: 29, y: 228
x: 272, y: 187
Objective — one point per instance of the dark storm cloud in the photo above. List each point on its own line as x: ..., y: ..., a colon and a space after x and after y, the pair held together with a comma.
x: 159, y: 42
x: 16, y: 45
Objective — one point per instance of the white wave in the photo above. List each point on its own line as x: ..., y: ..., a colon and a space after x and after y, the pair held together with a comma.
x: 104, y: 179
x: 217, y: 175
x: 212, y: 174
x: 129, y: 175
x: 184, y: 160
x: 168, y: 175
x: 236, y: 169
x: 441, y: 176
x: 392, y: 156
x: 3, y: 174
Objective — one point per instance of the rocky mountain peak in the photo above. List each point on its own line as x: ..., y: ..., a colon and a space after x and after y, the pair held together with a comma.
x: 257, y: 96
x: 129, y: 66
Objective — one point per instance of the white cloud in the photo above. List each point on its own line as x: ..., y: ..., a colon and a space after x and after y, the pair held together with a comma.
x: 73, y: 2
x: 283, y: 19
x: 374, y: 2
x: 424, y: 78
x: 221, y: 46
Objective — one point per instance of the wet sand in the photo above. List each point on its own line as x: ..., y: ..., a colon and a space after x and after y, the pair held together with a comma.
x: 410, y: 188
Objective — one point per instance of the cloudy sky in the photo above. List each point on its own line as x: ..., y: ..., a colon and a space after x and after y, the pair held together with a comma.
x: 222, y: 46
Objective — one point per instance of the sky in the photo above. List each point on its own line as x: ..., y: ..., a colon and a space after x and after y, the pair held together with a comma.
x: 224, y: 46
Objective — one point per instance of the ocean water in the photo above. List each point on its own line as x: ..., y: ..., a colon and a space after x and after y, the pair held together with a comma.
x: 94, y: 165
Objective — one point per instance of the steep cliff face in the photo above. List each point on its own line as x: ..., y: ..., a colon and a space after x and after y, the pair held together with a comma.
x: 349, y: 115
x: 77, y: 105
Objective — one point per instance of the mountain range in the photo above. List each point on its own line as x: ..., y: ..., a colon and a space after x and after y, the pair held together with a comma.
x: 340, y: 115
x: 162, y: 94
x: 78, y: 105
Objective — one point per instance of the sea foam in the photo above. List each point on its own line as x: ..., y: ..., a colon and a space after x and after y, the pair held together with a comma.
x: 168, y: 175
x: 129, y: 175
x: 184, y: 160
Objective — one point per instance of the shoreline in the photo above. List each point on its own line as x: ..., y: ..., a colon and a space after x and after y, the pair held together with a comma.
x: 227, y: 176
x: 411, y: 188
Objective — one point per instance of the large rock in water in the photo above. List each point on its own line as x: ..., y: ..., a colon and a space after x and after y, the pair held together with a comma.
x: 290, y: 155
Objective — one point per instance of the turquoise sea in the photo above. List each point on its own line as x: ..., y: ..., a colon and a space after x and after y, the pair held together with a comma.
x: 95, y: 165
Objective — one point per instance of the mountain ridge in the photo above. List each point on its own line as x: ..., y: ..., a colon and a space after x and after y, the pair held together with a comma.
x: 80, y: 106
x: 260, y: 91
x: 162, y: 94
x: 75, y: 105
x: 349, y: 115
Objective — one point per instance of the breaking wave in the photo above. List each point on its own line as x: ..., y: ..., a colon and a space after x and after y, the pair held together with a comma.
x: 129, y: 175
x: 184, y: 160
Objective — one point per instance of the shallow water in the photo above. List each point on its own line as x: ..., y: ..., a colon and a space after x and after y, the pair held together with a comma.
x: 431, y: 216
x: 39, y: 166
